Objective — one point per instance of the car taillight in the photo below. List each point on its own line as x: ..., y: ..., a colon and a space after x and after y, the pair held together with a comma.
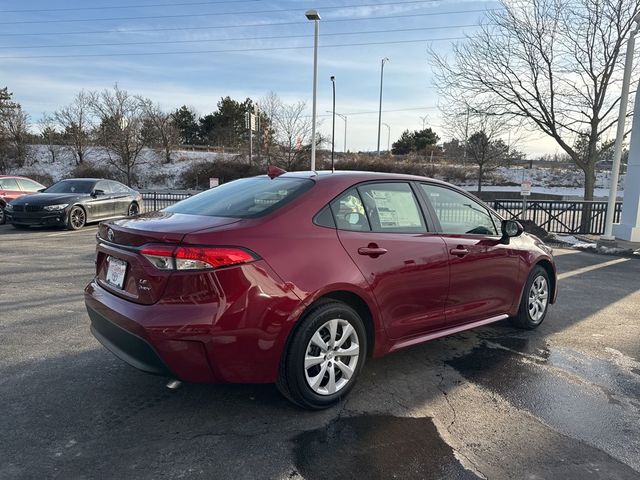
x: 170, y: 257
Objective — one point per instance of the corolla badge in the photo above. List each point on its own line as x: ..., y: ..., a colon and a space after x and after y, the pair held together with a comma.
x: 110, y: 235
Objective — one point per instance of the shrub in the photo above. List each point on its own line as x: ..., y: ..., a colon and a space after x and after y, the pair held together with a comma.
x: 197, y: 176
x: 88, y: 170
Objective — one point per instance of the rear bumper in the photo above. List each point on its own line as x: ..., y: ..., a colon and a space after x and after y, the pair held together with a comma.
x: 126, y: 330
x: 127, y: 346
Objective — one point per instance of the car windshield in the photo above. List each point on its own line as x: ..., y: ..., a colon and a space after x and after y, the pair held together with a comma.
x: 71, y: 186
x: 245, y: 198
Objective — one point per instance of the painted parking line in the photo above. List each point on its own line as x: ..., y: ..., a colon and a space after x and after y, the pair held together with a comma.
x: 591, y: 268
x: 92, y: 231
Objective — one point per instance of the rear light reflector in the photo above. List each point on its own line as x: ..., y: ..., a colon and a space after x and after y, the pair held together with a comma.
x: 170, y: 257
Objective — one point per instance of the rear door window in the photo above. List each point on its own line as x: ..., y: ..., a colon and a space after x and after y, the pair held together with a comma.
x: 245, y: 198
x: 348, y: 211
x: 392, y: 207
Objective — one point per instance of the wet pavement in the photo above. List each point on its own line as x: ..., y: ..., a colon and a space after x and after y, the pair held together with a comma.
x: 560, y: 402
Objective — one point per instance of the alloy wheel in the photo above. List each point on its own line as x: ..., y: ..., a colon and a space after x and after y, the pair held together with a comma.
x: 78, y: 218
x: 331, y: 357
x: 538, y: 298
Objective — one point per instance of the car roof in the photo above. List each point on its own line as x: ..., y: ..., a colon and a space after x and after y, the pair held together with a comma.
x: 358, y: 176
x: 18, y: 176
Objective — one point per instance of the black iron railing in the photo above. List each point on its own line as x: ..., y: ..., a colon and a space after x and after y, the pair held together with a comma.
x: 560, y: 216
x: 153, y: 201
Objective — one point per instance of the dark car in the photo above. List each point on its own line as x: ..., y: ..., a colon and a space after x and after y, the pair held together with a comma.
x: 12, y: 187
x: 74, y: 203
x: 299, y: 278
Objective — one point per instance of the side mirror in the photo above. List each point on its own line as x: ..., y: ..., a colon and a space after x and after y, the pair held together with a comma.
x: 511, y: 228
x: 97, y: 192
x: 42, y: 190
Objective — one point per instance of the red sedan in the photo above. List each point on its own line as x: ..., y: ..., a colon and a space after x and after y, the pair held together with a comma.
x: 298, y: 278
x: 12, y: 187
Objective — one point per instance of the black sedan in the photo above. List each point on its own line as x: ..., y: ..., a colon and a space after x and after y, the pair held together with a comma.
x: 73, y: 203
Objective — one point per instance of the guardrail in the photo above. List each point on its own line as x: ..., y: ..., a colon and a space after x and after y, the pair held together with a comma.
x: 560, y: 216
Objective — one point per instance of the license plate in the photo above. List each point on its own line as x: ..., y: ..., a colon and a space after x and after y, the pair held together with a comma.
x: 116, y: 271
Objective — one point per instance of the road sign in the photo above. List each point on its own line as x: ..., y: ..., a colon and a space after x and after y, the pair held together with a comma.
x: 214, y: 182
x: 525, y: 188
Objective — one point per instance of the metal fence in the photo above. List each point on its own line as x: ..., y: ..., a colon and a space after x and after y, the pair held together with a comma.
x: 587, y: 217
x: 153, y: 201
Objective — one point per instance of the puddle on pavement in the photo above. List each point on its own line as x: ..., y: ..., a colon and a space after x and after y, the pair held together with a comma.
x: 377, y: 446
x: 583, y: 396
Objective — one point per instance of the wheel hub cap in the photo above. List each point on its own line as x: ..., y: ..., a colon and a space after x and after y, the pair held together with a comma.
x: 331, y: 357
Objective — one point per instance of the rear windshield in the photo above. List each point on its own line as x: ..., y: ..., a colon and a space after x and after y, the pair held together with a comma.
x: 245, y: 198
x: 71, y: 186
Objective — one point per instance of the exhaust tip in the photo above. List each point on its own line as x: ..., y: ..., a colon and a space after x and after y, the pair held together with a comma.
x: 174, y: 384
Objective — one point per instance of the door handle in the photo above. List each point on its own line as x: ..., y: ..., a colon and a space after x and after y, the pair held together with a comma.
x: 372, y: 250
x: 459, y: 251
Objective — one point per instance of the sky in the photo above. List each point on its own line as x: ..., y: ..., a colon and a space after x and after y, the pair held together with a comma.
x: 51, y: 50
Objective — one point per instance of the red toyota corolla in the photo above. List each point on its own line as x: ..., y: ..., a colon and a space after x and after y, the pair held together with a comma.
x: 298, y: 278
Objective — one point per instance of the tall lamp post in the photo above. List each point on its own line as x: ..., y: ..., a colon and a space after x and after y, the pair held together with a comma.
x: 333, y: 124
x: 622, y: 116
x: 384, y: 60
x: 343, y: 117
x: 388, y: 136
x: 314, y: 16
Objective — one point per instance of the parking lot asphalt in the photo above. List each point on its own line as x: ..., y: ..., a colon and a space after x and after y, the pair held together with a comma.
x: 560, y: 402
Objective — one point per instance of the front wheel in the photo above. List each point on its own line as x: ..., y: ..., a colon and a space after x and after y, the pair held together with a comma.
x: 3, y: 217
x: 77, y: 218
x: 535, y: 300
x: 325, y: 356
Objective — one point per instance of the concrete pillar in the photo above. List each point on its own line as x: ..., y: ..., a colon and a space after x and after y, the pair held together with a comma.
x: 629, y: 226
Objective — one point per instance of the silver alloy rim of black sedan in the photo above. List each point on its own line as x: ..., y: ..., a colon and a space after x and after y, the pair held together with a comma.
x: 331, y: 357
x: 538, y: 297
x: 77, y: 217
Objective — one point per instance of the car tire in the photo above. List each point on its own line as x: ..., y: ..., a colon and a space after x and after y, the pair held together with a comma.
x: 314, y: 376
x: 3, y: 217
x: 18, y: 226
x: 133, y: 210
x: 534, y: 304
x: 77, y: 218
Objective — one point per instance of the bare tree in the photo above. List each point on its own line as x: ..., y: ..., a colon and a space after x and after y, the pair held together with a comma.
x: 75, y: 122
x: 160, y: 128
x: 50, y: 135
x: 291, y: 129
x: 556, y: 64
x: 16, y: 132
x: 120, y: 129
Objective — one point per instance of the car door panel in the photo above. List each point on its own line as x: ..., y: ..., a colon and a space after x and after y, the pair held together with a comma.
x: 483, y: 270
x: 408, y: 273
x: 100, y: 206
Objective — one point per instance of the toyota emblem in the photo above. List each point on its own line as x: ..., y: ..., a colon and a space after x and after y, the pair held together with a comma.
x: 110, y: 235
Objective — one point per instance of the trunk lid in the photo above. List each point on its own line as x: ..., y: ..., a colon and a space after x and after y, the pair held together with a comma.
x: 121, y: 239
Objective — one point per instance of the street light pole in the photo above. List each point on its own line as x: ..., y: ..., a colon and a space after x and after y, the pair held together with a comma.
x: 333, y: 124
x: 315, y: 17
x: 343, y: 117
x: 622, y: 116
x: 384, y: 60
x: 388, y: 136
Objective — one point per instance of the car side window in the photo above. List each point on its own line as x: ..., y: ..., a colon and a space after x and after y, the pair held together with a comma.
x: 348, y: 212
x: 9, y: 184
x: 104, y: 186
x: 29, y: 185
x: 392, y: 207
x: 118, y: 187
x: 459, y: 214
